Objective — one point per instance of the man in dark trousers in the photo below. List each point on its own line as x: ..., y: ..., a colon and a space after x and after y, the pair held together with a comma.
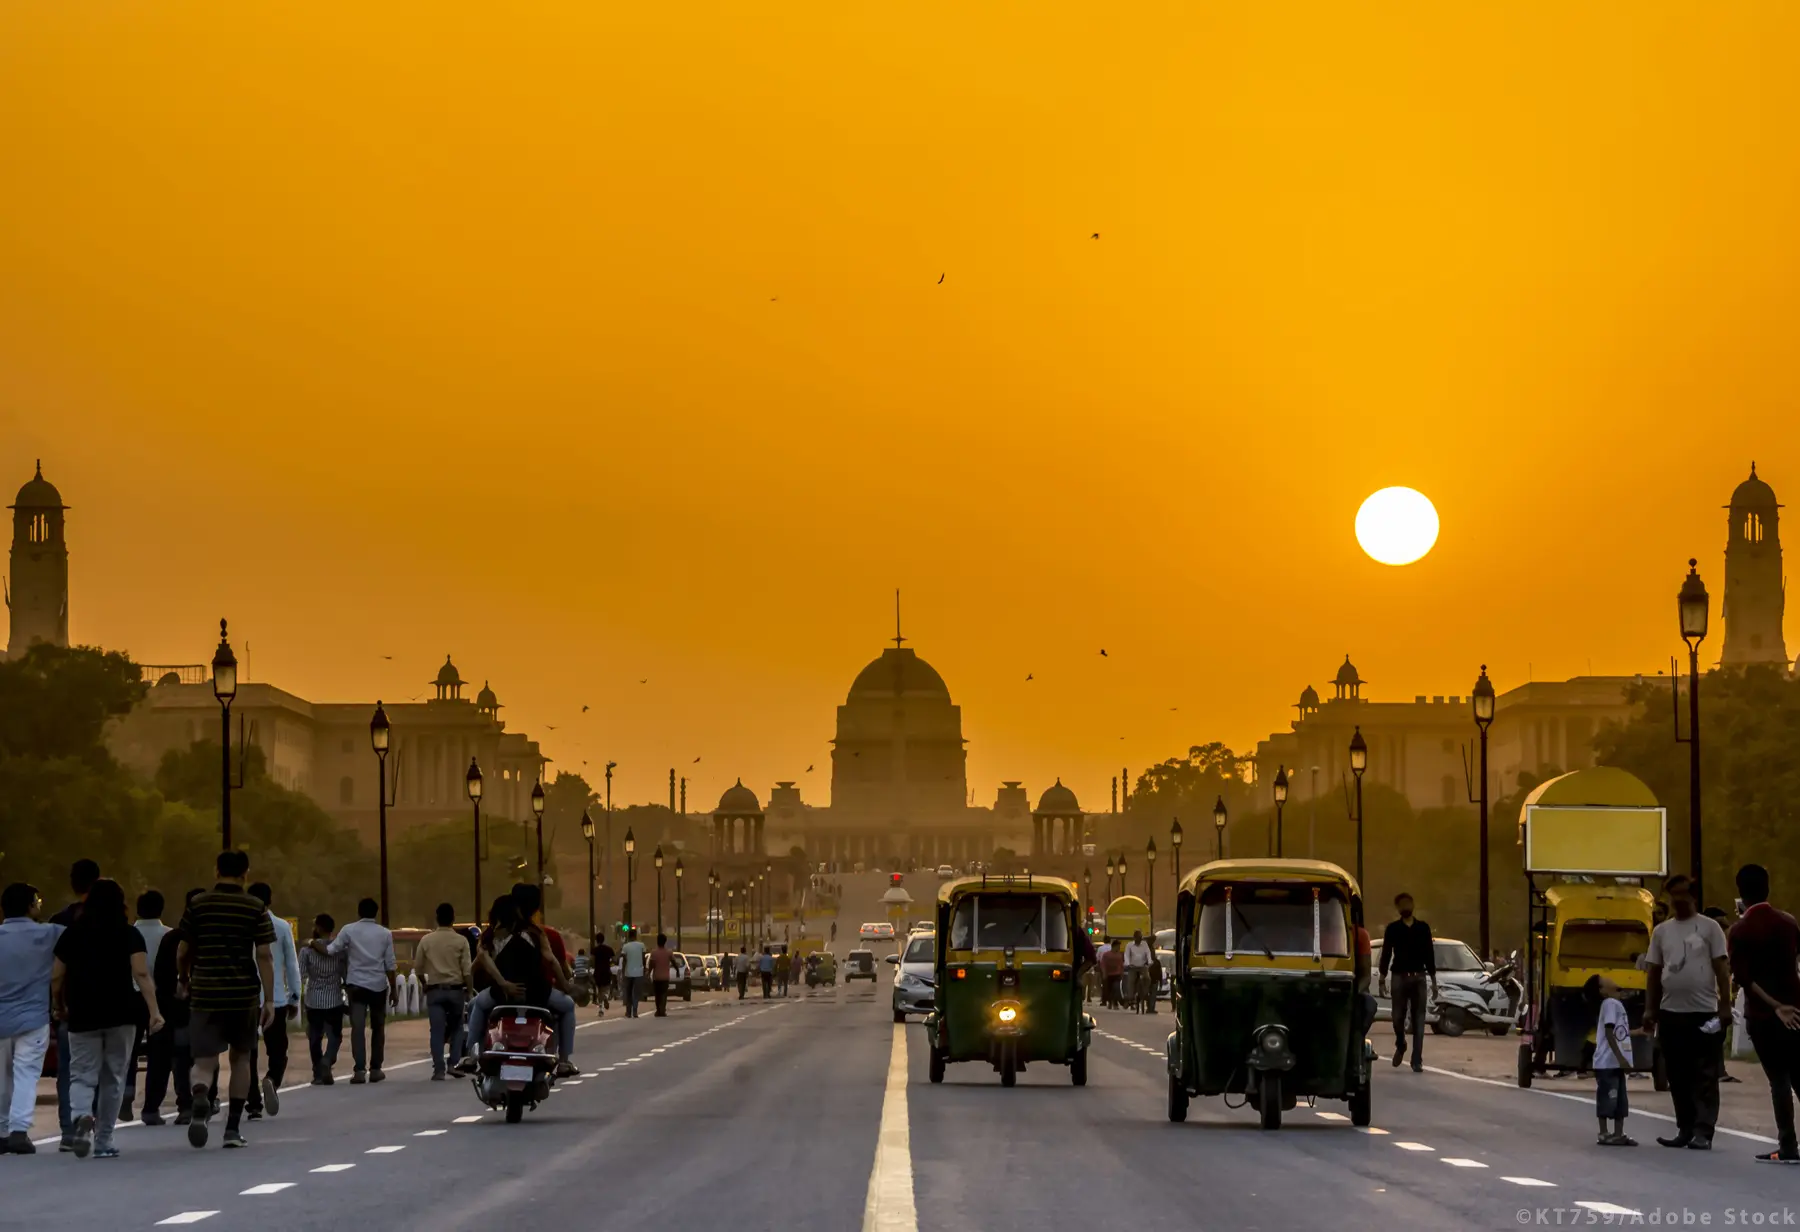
x: 743, y: 971
x: 1689, y: 986
x: 1764, y: 946
x: 1406, y: 949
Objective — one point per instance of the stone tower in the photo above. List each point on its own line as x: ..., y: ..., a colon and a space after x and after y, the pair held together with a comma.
x: 38, y: 596
x: 1753, y: 581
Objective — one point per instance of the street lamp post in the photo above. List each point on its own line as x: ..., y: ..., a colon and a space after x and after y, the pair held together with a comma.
x: 656, y: 858
x: 731, y: 911
x: 537, y: 813
x: 1482, y: 700
x: 677, y: 904
x: 1693, y: 606
x: 473, y: 782
x: 1281, y: 793
x: 1123, y: 885
x: 224, y: 682
x: 1219, y: 824
x: 1359, y: 762
x: 1175, y: 852
x: 769, y: 899
x: 630, y: 878
x: 587, y: 833
x: 1150, y: 877
x: 606, y: 840
x: 1109, y: 878
x: 380, y: 733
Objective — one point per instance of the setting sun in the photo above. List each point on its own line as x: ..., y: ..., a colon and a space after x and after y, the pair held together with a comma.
x: 1397, y: 526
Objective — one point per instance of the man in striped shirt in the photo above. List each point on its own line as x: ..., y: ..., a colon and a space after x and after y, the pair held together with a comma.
x: 226, y: 967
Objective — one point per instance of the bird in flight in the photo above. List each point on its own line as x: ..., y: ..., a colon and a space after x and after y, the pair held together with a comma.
x: 643, y: 682
x: 1029, y: 676
x: 1094, y: 236
x: 773, y: 298
x: 1103, y: 652
x: 809, y: 769
x: 696, y: 761
x: 941, y: 277
x: 551, y: 726
x: 387, y: 656
x: 584, y: 710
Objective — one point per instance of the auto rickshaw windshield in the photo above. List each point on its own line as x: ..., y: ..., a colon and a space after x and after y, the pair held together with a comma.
x: 1602, y: 943
x: 1276, y: 919
x: 1021, y: 921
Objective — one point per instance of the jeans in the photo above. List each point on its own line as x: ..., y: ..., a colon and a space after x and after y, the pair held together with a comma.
x: 367, y: 1006
x: 1779, y: 1051
x: 445, y: 1005
x: 1610, y: 1100
x: 1695, y: 1063
x: 62, y: 1081
x: 1408, y: 1002
x: 166, y: 1053
x: 634, y: 994
x: 274, y: 1047
x: 661, y: 990
x: 21, y: 1064
x: 561, y: 1004
x: 97, y: 1074
x: 323, y: 1025
x: 768, y: 982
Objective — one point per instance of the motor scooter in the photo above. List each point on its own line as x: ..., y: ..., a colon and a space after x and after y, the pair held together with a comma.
x: 518, y: 1060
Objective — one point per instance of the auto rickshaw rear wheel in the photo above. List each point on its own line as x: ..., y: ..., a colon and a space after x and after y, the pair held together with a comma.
x: 1178, y: 1100
x: 937, y: 1065
x: 1360, y: 1111
x: 1268, y: 1098
x: 1078, y: 1068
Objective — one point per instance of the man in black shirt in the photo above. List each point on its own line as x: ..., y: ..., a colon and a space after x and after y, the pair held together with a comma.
x: 1406, y: 947
x: 82, y: 876
x: 224, y: 961
x: 166, y: 1052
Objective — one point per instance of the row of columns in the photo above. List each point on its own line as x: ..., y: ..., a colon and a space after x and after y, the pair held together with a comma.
x: 1052, y: 836
x: 737, y: 836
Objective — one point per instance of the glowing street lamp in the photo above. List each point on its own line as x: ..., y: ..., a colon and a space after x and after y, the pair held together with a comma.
x: 380, y: 736
x: 1219, y: 819
x: 1481, y: 701
x: 225, y: 683
x: 472, y: 781
x: 1281, y: 794
x: 1694, y: 607
x: 1359, y: 762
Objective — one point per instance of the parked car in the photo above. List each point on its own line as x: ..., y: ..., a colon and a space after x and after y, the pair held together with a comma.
x: 915, y: 983
x: 859, y: 965
x: 715, y: 974
x: 1467, y: 999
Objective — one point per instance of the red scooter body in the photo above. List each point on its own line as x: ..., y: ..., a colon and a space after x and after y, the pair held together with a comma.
x: 517, y: 1061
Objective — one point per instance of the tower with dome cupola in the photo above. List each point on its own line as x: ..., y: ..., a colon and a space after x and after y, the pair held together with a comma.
x: 1754, y: 591
x: 37, y: 596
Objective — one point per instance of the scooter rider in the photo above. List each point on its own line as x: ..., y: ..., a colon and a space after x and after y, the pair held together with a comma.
x: 516, y: 957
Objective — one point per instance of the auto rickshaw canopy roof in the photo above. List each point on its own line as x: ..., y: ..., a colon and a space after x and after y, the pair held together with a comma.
x: 1127, y: 914
x: 1268, y: 869
x: 1580, y: 900
x: 1008, y: 883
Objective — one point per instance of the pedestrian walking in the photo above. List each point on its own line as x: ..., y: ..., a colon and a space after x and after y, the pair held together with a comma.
x: 1407, y: 949
x: 765, y: 967
x: 1612, y: 1059
x: 322, y: 976
x: 603, y: 972
x: 783, y: 966
x: 27, y: 959
x: 149, y: 924
x: 632, y: 957
x: 99, y: 972
x: 169, y: 1054
x: 82, y: 875
x: 1689, y: 987
x: 743, y: 971
x: 442, y: 965
x: 286, y: 1000
x: 1764, y: 946
x: 369, y: 972
x: 1138, y: 959
x: 1112, y: 971
x: 226, y: 963
x: 662, y: 963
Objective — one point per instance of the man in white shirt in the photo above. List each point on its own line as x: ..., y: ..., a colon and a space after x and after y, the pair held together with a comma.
x: 1689, y: 986
x: 1138, y: 957
x: 149, y: 924
x: 632, y: 957
x: 368, y: 982
x: 285, y: 997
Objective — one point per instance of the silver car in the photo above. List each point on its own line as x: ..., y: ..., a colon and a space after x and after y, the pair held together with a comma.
x: 915, y: 977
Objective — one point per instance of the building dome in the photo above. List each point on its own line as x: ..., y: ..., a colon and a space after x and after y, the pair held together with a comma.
x: 1346, y: 675
x: 484, y: 700
x: 1309, y: 697
x: 738, y: 799
x: 448, y: 676
x: 1058, y: 799
x: 39, y: 493
x: 899, y: 672
x: 1753, y: 493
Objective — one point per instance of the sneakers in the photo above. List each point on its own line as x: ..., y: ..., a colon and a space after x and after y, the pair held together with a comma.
x: 567, y: 1069
x: 465, y: 1067
x: 358, y: 1079
x: 1779, y: 1157
x: 376, y: 1075
x: 255, y: 1114
x: 83, y: 1141
x: 234, y: 1138
x: 153, y: 1117
x: 1618, y: 1140
x: 106, y: 1152
x: 437, y: 1075
x: 271, y: 1096
x: 1700, y: 1143
x: 19, y: 1143
x: 202, y: 1108
x: 183, y: 1116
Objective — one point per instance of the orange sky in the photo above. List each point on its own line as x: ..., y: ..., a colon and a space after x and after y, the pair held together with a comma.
x: 406, y: 328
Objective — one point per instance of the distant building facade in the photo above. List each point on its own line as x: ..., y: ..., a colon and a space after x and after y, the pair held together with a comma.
x: 37, y: 592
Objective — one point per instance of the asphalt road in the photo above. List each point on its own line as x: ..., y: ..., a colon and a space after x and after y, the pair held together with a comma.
x: 815, y: 1113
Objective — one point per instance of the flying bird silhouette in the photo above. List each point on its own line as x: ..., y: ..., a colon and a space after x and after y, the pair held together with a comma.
x: 643, y: 682
x: 550, y: 726
x: 809, y: 769
x: 696, y: 761
x: 941, y: 277
x: 387, y: 656
x: 1103, y: 653
x: 584, y: 710
x: 1029, y: 676
x: 1094, y: 236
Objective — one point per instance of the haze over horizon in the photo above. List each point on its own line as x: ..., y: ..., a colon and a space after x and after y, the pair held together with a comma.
x: 552, y: 344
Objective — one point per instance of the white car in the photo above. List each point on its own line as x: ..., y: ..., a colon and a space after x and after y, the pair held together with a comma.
x: 1467, y: 1000
x: 915, y: 976
x: 876, y: 932
x: 946, y: 870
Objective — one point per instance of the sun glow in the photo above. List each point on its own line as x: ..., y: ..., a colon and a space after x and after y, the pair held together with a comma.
x: 1397, y: 526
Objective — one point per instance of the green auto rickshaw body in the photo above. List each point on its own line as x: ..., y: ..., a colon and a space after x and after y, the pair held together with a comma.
x: 1265, y: 990
x: 1008, y: 991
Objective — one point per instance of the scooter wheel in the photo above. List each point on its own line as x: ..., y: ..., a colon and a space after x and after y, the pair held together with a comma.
x: 515, y: 1107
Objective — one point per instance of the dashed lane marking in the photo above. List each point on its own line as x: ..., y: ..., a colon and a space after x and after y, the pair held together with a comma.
x: 1530, y: 1182
x: 273, y: 1187
x: 187, y: 1217
x: 1413, y: 1146
x: 383, y: 1150
x: 1608, y: 1208
x: 430, y: 1133
x: 1330, y: 1116
x: 334, y: 1168
x: 1465, y: 1163
x: 466, y: 1120
x: 1588, y: 1100
x: 1371, y: 1130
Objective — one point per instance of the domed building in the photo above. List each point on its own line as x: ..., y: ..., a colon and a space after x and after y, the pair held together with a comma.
x: 37, y: 597
x: 1754, y: 591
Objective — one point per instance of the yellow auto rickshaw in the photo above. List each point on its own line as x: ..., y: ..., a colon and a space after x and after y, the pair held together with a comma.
x: 1265, y: 989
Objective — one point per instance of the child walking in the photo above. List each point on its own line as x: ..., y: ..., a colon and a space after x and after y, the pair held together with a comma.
x: 1612, y: 1058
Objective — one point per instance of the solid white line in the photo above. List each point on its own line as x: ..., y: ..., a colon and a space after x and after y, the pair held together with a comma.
x: 1530, y: 1181
x: 1607, y: 1208
x: 1589, y: 1099
x: 383, y: 1150
x: 271, y: 1188
x: 1465, y: 1163
x: 335, y: 1168
x: 187, y: 1217
x: 890, y: 1206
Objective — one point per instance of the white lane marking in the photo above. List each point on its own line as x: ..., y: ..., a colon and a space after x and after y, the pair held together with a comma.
x: 383, y: 1150
x: 273, y: 1187
x: 465, y: 1120
x: 1413, y: 1146
x: 1607, y: 1208
x: 1331, y: 1116
x: 335, y: 1168
x: 570, y: 1082
x: 1465, y: 1163
x: 1589, y: 1100
x: 187, y: 1217
x: 430, y: 1133
x: 890, y: 1206
x: 1530, y: 1181
x: 607, y: 1069
x: 1370, y: 1129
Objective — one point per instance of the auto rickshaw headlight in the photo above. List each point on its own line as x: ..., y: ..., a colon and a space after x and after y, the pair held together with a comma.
x: 1008, y: 1013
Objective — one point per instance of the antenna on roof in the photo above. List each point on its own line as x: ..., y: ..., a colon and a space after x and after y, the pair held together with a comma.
x: 898, y: 639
